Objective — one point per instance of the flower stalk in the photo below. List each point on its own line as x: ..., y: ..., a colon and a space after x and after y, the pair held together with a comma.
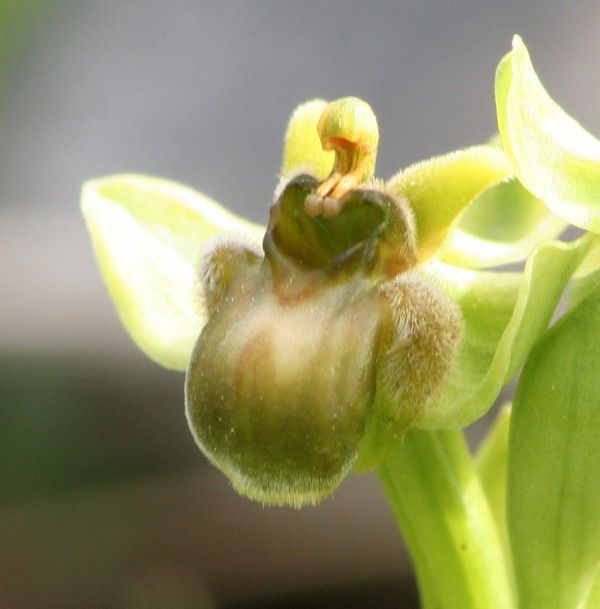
x: 446, y: 522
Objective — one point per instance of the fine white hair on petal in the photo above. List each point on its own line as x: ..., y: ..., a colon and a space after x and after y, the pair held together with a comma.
x: 428, y: 327
x: 218, y: 259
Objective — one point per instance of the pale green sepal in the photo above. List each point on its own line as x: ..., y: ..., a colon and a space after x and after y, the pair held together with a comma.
x: 502, y: 225
x: 148, y: 236
x: 302, y: 150
x: 504, y: 314
x: 440, y: 188
x: 553, y: 156
x: 554, y: 466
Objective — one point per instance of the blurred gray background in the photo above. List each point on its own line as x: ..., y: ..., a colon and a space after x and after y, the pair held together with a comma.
x: 104, y: 500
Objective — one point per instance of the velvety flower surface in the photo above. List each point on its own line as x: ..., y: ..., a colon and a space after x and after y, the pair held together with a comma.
x: 371, y: 307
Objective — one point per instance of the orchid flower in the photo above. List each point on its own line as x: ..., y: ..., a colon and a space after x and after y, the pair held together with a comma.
x: 375, y: 306
x: 371, y: 320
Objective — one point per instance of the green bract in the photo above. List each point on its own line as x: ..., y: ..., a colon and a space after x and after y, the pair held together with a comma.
x: 554, y: 466
x: 368, y: 311
x: 587, y: 276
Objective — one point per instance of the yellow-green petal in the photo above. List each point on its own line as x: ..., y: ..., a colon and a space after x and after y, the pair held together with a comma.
x: 505, y: 314
x: 302, y: 149
x: 440, y: 189
x: 553, y: 156
x: 502, y: 225
x: 148, y: 236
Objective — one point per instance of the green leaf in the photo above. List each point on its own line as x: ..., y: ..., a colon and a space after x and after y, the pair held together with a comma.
x: 553, y: 156
x: 594, y: 598
x: 505, y: 314
x: 554, y: 466
x: 148, y: 236
x: 440, y: 188
x: 502, y: 225
x: 302, y: 149
x: 582, y: 287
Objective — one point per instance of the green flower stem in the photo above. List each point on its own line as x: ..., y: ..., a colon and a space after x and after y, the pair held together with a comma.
x: 446, y: 521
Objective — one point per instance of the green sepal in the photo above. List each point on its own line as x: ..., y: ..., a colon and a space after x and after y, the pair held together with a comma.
x: 148, y: 236
x: 504, y: 314
x: 552, y: 155
x: 554, y: 466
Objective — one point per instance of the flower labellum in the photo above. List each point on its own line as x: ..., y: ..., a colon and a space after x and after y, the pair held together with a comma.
x: 317, y: 357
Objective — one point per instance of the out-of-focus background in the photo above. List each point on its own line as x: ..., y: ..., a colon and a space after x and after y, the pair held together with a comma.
x: 104, y: 500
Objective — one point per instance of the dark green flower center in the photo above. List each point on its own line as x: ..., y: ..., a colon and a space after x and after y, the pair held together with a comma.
x: 354, y: 237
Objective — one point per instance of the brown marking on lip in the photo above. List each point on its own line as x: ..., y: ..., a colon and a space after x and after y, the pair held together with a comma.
x: 255, y: 355
x: 286, y: 297
x: 395, y: 265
